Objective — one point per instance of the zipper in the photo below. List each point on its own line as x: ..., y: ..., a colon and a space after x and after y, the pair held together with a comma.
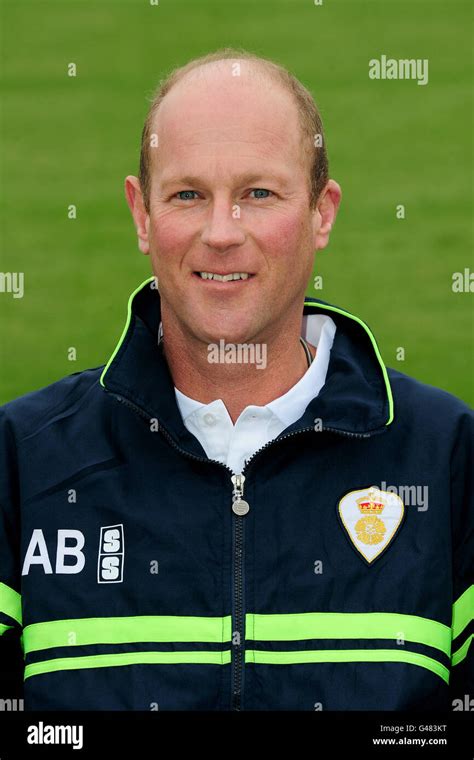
x: 240, y: 507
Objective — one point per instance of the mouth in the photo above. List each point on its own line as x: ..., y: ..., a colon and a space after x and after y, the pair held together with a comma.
x: 224, y: 279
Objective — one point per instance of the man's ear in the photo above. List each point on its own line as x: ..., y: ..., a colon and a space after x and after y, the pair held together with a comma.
x: 136, y: 204
x: 324, y: 215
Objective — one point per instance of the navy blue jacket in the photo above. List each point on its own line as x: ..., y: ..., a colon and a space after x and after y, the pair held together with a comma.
x: 132, y: 584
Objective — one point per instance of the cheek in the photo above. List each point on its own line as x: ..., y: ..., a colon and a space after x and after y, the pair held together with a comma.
x: 283, y: 238
x: 169, y: 238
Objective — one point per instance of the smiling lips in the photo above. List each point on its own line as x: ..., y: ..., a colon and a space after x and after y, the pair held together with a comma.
x: 230, y: 277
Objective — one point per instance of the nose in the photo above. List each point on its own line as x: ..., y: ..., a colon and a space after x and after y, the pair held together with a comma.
x: 222, y: 228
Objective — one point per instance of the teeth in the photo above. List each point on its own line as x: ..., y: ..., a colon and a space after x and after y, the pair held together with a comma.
x: 224, y: 277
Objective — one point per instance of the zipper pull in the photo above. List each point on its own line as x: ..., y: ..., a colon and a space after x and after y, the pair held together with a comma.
x: 239, y: 506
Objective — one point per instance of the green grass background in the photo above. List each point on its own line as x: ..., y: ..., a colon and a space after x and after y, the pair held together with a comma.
x: 73, y: 140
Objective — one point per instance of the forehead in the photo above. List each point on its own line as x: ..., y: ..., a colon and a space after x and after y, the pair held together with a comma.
x: 212, y: 113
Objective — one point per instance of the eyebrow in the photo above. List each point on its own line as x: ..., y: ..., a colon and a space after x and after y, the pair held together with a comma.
x: 242, y: 179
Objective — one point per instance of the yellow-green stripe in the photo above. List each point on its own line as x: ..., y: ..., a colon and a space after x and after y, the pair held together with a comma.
x: 124, y: 331
x: 270, y: 627
x: 261, y: 657
x: 128, y: 658
x: 349, y: 625
x: 224, y: 658
x: 125, y: 630
x: 463, y: 611
x: 359, y: 321
x: 461, y: 653
x: 10, y: 602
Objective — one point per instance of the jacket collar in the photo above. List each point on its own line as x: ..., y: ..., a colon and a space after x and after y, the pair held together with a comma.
x: 356, y: 398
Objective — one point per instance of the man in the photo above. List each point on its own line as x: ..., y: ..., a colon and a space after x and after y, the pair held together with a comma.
x: 243, y: 509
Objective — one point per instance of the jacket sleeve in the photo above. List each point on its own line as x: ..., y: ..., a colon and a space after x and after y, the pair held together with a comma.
x: 462, y: 500
x: 11, y: 655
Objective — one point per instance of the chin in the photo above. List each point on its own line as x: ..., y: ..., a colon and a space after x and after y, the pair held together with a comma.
x: 227, y: 333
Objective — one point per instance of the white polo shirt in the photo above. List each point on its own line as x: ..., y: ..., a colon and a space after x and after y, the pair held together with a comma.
x: 257, y: 425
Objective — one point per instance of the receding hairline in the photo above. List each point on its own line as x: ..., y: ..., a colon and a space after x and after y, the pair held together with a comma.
x: 265, y: 71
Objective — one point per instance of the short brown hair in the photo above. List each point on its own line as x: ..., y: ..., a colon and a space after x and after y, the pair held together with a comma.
x: 310, y: 118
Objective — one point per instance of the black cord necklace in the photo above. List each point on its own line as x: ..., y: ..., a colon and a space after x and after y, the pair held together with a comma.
x: 309, y: 355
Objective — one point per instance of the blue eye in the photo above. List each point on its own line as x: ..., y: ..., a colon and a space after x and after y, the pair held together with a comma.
x: 186, y: 193
x: 261, y: 190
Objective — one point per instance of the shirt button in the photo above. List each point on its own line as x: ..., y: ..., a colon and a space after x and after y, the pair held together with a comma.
x: 209, y: 419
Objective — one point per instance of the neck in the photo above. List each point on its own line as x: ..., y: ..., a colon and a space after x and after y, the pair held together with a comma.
x: 237, y: 384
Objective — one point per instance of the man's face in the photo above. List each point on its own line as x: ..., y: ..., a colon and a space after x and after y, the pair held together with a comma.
x: 230, y: 194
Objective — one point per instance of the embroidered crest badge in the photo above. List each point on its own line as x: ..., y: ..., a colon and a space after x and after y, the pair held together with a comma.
x: 371, y: 518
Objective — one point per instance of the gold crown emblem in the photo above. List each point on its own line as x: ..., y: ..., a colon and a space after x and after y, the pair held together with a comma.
x: 373, y: 504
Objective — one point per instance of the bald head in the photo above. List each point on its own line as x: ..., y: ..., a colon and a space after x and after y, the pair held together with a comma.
x: 212, y: 92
